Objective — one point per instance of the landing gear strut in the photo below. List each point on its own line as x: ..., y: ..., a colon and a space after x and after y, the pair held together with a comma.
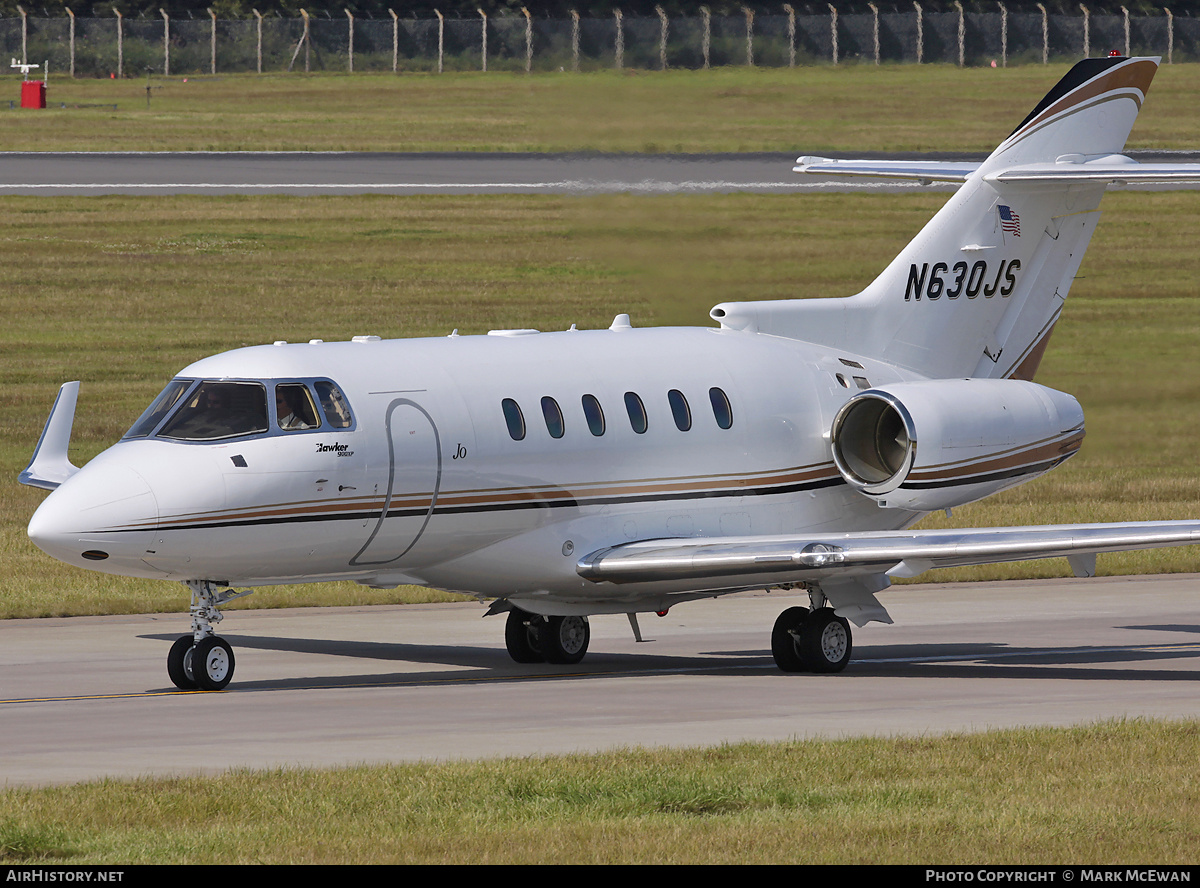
x: 816, y: 640
x: 203, y: 661
x: 531, y: 638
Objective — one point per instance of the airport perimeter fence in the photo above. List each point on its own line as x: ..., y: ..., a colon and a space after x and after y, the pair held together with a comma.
x: 125, y: 47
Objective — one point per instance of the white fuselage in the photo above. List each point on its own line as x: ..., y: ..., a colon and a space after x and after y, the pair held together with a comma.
x: 429, y: 486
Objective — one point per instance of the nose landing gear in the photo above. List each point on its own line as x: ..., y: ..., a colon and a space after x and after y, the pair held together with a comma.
x: 203, y: 661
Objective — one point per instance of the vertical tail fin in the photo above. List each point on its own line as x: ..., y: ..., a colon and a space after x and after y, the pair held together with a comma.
x: 978, y: 290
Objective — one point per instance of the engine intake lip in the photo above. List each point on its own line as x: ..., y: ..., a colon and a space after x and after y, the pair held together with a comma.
x: 874, y: 442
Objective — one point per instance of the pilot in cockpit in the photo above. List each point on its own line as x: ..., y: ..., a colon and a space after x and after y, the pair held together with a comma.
x: 293, y: 408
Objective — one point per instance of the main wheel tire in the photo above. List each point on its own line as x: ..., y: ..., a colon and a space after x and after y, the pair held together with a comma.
x: 521, y: 634
x: 564, y: 640
x: 825, y: 641
x: 785, y: 642
x: 179, y: 663
x: 212, y: 664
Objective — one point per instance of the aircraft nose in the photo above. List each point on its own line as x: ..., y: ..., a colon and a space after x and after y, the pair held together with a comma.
x: 101, y: 518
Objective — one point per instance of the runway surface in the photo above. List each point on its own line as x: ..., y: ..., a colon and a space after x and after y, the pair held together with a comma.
x: 84, y: 698
x: 303, y: 173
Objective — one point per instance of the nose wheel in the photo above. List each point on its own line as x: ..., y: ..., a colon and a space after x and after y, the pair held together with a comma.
x: 203, y: 661
x: 207, y: 666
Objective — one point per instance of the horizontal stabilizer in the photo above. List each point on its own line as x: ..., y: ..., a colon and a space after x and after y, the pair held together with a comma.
x: 919, y: 170
x: 1108, y: 169
x: 50, y: 465
x: 897, y: 554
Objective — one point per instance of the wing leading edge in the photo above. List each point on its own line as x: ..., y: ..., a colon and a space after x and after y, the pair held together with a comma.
x: 824, y: 557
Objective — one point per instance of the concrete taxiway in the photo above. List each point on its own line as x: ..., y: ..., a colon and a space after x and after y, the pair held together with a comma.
x: 84, y: 698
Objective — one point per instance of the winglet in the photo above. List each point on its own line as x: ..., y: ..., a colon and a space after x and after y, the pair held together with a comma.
x: 50, y: 465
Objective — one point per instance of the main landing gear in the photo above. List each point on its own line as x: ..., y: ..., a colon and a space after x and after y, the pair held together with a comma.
x: 531, y: 638
x: 816, y: 640
x: 202, y: 660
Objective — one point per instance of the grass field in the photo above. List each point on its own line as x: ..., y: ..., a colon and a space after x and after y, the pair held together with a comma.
x: 1121, y: 793
x: 805, y: 110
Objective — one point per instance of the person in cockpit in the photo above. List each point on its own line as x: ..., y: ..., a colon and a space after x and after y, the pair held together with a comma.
x: 293, y: 408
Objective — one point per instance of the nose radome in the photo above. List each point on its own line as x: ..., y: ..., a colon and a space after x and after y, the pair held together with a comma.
x: 106, y: 511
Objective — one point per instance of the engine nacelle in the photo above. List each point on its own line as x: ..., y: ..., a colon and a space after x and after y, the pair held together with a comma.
x: 939, y: 443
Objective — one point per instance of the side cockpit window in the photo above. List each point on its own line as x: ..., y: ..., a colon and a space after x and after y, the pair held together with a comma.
x: 216, y: 410
x: 294, y: 408
x: 334, y: 405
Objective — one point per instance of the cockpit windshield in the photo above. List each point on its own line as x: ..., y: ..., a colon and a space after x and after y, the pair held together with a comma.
x: 162, y: 405
x: 215, y: 410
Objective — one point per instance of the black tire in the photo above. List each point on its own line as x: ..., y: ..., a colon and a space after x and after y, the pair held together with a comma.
x: 825, y: 641
x: 521, y: 637
x: 179, y: 665
x: 785, y: 644
x: 564, y: 640
x: 212, y: 664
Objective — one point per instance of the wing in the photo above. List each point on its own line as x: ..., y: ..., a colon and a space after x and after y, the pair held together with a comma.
x: 851, y: 567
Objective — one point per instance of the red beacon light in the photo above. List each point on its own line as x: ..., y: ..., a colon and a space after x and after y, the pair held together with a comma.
x: 1114, y: 53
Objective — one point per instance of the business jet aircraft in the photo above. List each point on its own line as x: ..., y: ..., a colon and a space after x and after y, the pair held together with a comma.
x: 628, y: 470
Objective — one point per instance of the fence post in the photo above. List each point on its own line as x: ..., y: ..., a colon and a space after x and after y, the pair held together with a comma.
x: 258, y: 52
x: 1087, y: 32
x: 350, y: 41
x: 1003, y: 36
x: 528, y: 41
x: 1125, y: 13
x: 1170, y: 34
x: 706, y: 36
x: 574, y: 41
x: 662, y: 38
x: 72, y: 39
x: 303, y: 42
x: 441, y: 38
x: 24, y: 35
x: 833, y: 30
x: 749, y: 13
x: 213, y: 43
x: 483, y: 39
x: 920, y: 34
x: 166, y: 42
x: 1045, y: 35
x: 620, y: 40
x: 791, y: 14
x: 395, y: 39
x: 962, y: 33
x: 120, y: 42
x: 875, y: 28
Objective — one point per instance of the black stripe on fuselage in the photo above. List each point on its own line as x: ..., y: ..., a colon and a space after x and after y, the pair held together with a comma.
x: 964, y: 481
x: 500, y: 507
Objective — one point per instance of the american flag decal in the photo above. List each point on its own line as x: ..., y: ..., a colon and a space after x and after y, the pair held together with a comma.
x: 1009, y: 220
